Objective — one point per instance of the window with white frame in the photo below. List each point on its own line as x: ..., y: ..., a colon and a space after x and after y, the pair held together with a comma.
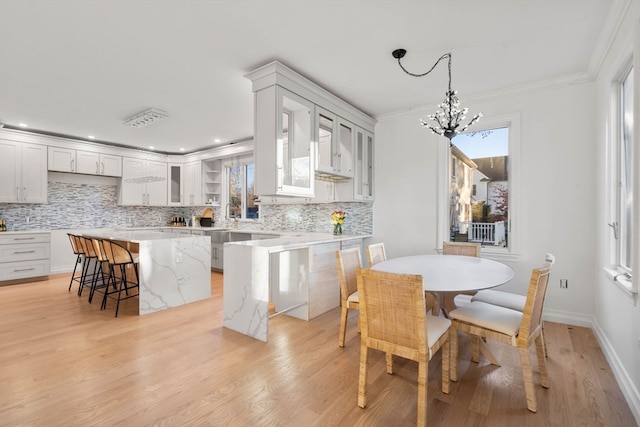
x: 622, y: 203
x: 493, y: 200
x: 240, y: 194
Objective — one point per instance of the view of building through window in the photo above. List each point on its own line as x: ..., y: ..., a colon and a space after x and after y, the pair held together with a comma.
x: 479, y: 187
x: 241, y: 196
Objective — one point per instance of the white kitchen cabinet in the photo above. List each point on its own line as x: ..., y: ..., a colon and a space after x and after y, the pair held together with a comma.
x: 192, y: 184
x: 217, y: 256
x: 284, y: 129
x: 98, y: 163
x: 24, y: 255
x: 84, y: 162
x: 334, y: 145
x: 363, y: 165
x: 175, y: 184
x: 23, y: 172
x: 143, y: 182
x: 61, y: 159
x: 185, y: 184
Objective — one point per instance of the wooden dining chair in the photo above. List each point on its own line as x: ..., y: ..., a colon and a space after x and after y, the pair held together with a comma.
x: 348, y: 261
x: 457, y: 248
x: 519, y: 329
x: 376, y: 254
x: 393, y: 319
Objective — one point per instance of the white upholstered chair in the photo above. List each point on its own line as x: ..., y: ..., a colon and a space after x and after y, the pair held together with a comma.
x: 520, y: 329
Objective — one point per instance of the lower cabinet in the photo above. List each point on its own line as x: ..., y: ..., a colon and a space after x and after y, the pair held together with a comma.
x: 24, y: 255
x: 217, y: 256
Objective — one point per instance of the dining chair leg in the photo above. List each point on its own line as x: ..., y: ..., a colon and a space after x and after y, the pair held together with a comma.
x: 530, y: 391
x: 423, y: 376
x: 389, y: 360
x: 453, y: 350
x: 343, y: 325
x: 475, y: 348
x: 446, y: 369
x: 542, y: 362
x: 362, y: 378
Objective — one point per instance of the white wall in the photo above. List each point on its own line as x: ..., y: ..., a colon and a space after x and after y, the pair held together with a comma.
x: 562, y: 148
x: 557, y: 180
x: 617, y: 314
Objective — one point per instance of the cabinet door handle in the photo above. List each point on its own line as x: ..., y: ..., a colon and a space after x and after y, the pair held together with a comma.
x: 24, y: 238
x: 24, y: 193
x: 97, y: 169
x: 24, y: 269
x: 23, y: 252
x: 102, y: 173
x: 17, y: 193
x: 72, y: 164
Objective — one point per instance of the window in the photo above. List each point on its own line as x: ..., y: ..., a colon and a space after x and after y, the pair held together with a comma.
x: 240, y: 191
x: 622, y: 221
x: 480, y: 203
x: 481, y: 212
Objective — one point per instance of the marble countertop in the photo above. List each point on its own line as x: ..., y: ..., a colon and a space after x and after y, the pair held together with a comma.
x: 289, y: 240
x: 135, y: 236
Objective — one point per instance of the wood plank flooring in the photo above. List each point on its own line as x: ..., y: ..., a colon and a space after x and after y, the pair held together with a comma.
x: 63, y: 362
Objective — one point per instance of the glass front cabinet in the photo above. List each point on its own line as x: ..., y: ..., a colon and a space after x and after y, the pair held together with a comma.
x: 334, y: 136
x: 363, y: 176
x: 284, y: 149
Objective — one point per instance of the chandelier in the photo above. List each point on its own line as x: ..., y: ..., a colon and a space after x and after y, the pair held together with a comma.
x: 446, y: 121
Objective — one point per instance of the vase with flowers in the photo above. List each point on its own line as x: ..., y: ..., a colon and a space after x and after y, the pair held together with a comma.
x: 337, y: 219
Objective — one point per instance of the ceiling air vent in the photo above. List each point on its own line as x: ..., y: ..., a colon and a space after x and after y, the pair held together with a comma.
x: 145, y: 118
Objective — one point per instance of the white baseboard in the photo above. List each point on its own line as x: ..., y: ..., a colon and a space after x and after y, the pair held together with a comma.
x: 575, y: 319
x: 629, y: 390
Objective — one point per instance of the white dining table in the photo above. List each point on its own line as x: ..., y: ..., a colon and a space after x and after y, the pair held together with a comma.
x: 450, y: 273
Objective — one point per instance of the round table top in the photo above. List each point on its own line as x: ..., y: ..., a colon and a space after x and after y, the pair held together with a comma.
x: 445, y: 273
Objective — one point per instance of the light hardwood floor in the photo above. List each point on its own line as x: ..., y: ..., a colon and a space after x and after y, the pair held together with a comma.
x: 64, y: 362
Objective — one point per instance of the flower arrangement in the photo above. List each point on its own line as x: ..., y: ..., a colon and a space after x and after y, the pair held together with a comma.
x: 337, y: 219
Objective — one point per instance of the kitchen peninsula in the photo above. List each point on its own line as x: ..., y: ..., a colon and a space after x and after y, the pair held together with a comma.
x: 174, y: 269
x: 294, y: 273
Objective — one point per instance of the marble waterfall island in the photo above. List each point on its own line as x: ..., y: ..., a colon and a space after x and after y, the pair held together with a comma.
x: 296, y: 274
x: 174, y: 269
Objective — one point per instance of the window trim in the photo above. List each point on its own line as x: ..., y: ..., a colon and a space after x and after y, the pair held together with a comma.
x: 613, y: 270
x: 226, y: 163
x: 511, y: 121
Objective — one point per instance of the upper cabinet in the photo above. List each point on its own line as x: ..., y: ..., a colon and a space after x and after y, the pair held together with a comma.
x: 302, y: 134
x: 144, y: 182
x: 334, y: 145
x: 185, y: 184
x: 85, y: 162
x: 23, y: 172
x: 363, y: 176
x: 283, y: 147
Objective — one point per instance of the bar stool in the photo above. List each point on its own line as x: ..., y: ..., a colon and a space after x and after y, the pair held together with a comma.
x: 102, y: 279
x: 123, y: 269
x: 90, y: 265
x: 78, y: 252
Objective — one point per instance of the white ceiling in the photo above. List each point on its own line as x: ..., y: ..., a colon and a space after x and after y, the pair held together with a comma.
x: 81, y: 68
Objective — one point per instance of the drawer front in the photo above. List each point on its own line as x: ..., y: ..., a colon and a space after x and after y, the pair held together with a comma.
x: 9, y: 239
x: 24, y: 269
x: 24, y: 252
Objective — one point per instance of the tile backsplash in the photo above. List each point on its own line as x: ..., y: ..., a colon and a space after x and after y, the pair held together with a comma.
x: 74, y: 205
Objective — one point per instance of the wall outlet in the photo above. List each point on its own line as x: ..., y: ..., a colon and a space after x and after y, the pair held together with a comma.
x: 564, y: 283
x: 178, y: 257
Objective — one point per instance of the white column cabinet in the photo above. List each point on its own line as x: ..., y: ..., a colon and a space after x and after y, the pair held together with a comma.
x: 284, y: 153
x: 23, y: 172
x: 143, y: 182
x: 363, y: 165
x: 192, y: 184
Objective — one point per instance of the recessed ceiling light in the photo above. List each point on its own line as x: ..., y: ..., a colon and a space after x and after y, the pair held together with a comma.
x: 91, y: 137
x: 23, y: 125
x: 182, y: 149
x: 217, y: 140
x: 151, y: 147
